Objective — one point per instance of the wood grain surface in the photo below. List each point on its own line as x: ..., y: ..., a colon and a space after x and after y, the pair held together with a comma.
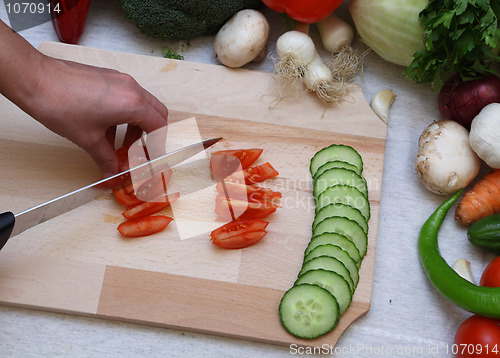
x: 79, y: 263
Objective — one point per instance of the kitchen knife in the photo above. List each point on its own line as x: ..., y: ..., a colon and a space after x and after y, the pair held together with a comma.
x: 13, y: 224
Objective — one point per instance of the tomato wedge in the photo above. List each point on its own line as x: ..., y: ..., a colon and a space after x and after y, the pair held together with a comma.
x: 145, y: 226
x: 154, y: 187
x: 150, y: 207
x: 243, y: 209
x: 239, y: 234
x: 252, y: 192
x: 226, y: 162
x: 122, y: 154
x: 253, y: 175
x: 125, y: 198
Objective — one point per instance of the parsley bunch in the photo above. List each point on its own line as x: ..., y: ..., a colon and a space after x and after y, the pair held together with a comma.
x: 460, y: 37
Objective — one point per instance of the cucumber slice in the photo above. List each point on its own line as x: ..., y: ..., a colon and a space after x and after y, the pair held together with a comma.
x: 342, y: 194
x: 340, y: 254
x: 341, y: 210
x: 330, y: 264
x: 309, y: 311
x: 339, y: 176
x: 336, y: 164
x: 346, y: 227
x: 336, y: 152
x: 330, y: 281
x: 335, y: 239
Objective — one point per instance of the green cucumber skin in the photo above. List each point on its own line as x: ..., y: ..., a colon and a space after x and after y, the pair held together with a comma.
x: 485, y: 233
x: 307, y: 292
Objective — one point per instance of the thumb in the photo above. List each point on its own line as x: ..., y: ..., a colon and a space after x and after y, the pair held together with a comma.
x: 103, y: 153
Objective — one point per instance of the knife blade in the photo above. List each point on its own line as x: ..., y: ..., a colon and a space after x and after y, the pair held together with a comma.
x: 13, y: 224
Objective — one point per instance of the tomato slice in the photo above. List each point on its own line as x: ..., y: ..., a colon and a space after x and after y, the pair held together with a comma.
x: 252, y: 192
x: 253, y: 175
x: 239, y: 234
x: 145, y: 226
x: 238, y: 227
x: 154, y: 187
x: 150, y: 207
x: 122, y: 154
x: 126, y: 198
x: 240, y: 241
x: 243, y: 209
x: 226, y: 162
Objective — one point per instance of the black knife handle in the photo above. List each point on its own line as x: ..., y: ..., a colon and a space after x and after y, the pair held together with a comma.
x: 6, y: 225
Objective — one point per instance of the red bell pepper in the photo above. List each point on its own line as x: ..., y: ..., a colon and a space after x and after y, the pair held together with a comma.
x: 307, y: 11
x: 69, y: 18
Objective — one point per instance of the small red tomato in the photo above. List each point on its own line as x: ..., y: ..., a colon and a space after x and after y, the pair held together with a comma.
x: 478, y: 337
x: 491, y: 274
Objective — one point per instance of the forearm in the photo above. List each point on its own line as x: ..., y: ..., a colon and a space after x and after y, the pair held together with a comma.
x: 20, y: 64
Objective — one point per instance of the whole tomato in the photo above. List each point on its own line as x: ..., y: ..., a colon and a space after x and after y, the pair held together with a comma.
x: 308, y: 11
x: 479, y: 337
x: 491, y: 274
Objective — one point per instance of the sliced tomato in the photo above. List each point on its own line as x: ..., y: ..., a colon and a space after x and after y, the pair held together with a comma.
x: 145, y: 226
x: 122, y: 154
x: 241, y: 191
x: 241, y: 241
x: 239, y: 234
x: 154, y: 187
x: 242, y: 209
x: 126, y: 198
x: 225, y: 162
x: 253, y: 175
x: 150, y: 207
x: 238, y: 227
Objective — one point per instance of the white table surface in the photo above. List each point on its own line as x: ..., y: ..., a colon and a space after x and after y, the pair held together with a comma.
x: 407, y: 316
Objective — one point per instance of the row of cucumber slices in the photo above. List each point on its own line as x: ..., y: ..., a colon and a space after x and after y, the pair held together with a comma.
x: 330, y: 271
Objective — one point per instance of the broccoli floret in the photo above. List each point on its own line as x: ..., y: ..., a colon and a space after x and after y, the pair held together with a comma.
x: 182, y: 19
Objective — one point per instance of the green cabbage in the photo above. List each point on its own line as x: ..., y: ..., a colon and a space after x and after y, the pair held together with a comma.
x: 391, y: 28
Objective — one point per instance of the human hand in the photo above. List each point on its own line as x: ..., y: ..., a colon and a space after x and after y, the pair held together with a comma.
x: 85, y: 104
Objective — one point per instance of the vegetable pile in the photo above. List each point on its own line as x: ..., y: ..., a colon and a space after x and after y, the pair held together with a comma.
x: 182, y: 20
x: 460, y: 37
x: 484, y: 301
x: 330, y: 271
x: 299, y: 60
x: 433, y: 39
x: 240, y: 200
x: 449, y: 159
x: 143, y: 203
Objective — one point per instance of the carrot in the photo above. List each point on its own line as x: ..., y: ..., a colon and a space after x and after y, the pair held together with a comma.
x: 480, y: 201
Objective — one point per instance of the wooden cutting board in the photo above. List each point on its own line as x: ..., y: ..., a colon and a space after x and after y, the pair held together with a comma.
x: 78, y: 263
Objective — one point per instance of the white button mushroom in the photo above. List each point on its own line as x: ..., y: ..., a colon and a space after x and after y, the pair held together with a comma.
x: 242, y: 38
x: 484, y: 135
x: 445, y: 161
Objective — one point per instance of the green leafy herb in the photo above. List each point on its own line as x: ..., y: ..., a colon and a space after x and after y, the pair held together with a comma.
x: 460, y: 37
x: 168, y: 53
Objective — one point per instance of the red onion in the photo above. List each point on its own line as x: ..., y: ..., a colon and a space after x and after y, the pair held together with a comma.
x: 462, y: 101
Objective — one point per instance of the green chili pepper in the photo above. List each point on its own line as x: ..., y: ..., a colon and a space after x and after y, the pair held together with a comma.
x: 484, y: 301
